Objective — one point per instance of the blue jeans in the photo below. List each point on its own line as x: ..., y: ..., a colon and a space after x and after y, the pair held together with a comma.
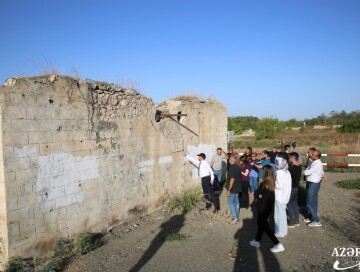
x: 293, y: 207
x: 280, y: 219
x: 312, y: 191
x: 218, y: 174
x: 233, y: 202
x: 254, y: 184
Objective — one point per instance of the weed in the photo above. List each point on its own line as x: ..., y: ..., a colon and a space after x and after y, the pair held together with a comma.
x: 175, y: 237
x: 86, y: 242
x: 51, y: 265
x: 17, y: 264
x: 63, y: 247
x: 187, y: 200
x: 352, y: 184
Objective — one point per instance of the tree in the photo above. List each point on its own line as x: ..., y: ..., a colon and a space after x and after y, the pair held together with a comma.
x: 269, y: 128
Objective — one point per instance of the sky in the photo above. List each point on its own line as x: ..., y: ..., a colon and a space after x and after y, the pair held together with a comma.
x: 271, y: 58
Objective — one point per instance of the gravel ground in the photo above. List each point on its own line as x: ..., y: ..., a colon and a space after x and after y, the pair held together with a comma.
x: 140, y: 245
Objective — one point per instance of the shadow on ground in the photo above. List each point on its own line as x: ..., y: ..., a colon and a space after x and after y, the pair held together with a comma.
x: 253, y: 259
x: 172, y: 226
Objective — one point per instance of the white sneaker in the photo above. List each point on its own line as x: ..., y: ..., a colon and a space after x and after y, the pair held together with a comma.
x: 315, y: 224
x: 306, y: 220
x: 254, y: 243
x: 277, y: 248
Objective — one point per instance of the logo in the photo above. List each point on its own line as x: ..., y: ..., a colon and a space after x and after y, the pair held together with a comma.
x: 346, y: 257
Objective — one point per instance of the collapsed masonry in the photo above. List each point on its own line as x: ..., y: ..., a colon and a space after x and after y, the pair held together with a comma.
x: 81, y: 156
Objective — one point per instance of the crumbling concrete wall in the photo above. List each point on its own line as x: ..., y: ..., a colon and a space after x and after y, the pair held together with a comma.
x: 81, y: 156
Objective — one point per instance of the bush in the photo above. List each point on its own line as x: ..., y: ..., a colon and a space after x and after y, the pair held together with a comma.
x: 63, y: 247
x: 17, y: 264
x: 186, y: 200
x: 86, y: 242
x: 352, y: 184
x: 52, y: 265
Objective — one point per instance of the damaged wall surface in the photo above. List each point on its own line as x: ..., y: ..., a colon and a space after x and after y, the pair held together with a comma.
x: 80, y: 155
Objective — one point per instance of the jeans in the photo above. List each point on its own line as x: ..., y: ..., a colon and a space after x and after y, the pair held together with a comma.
x: 209, y: 193
x: 312, y: 190
x: 233, y: 202
x: 218, y: 174
x: 293, y: 207
x: 280, y: 219
x: 254, y: 184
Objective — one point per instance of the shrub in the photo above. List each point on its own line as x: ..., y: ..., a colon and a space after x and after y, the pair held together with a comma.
x: 63, y: 247
x: 352, y: 184
x: 17, y: 264
x: 52, y: 265
x: 186, y: 200
x: 86, y: 242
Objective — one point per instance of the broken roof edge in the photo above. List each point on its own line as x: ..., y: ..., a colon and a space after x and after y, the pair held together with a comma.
x: 95, y: 85
x: 190, y: 99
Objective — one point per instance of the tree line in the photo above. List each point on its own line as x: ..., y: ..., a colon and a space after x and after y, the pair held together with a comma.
x: 268, y: 128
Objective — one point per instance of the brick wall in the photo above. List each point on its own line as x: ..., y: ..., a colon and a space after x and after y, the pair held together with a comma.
x: 81, y: 156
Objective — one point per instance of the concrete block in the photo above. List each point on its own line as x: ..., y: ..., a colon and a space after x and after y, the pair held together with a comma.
x: 16, y: 163
x: 21, y: 214
x: 31, y: 224
x: 46, y: 149
x: 55, y: 193
x: 51, y: 125
x: 39, y: 113
x: 24, y: 125
x: 12, y: 204
x: 25, y: 151
x: 88, y: 144
x: 40, y: 137
x: 71, y: 146
x: 14, y: 138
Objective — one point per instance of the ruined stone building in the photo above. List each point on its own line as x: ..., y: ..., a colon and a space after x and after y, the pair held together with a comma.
x: 80, y: 155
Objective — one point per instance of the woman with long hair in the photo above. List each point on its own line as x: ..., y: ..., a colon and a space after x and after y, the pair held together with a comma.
x: 265, y: 198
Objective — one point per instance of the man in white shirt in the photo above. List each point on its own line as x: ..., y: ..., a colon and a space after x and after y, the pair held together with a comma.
x: 314, y: 173
x: 207, y: 179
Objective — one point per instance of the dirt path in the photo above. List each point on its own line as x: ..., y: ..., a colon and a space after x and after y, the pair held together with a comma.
x: 140, y: 245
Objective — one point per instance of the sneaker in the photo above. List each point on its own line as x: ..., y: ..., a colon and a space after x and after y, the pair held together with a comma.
x: 254, y: 243
x: 306, y: 220
x: 252, y: 195
x: 291, y: 226
x: 315, y: 224
x: 297, y: 224
x: 235, y: 221
x: 277, y: 248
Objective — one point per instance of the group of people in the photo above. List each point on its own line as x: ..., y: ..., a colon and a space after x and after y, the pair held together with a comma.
x: 271, y: 179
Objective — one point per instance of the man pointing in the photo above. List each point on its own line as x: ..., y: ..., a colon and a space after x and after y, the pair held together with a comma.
x: 207, y: 179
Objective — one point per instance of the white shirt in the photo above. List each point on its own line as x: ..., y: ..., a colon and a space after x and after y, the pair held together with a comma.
x: 204, y: 167
x: 282, y: 186
x: 314, y: 172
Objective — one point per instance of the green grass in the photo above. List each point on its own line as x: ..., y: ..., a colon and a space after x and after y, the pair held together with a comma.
x: 175, y: 237
x: 17, y: 264
x: 86, y: 242
x: 186, y: 200
x: 352, y: 184
x: 52, y: 265
x: 63, y: 247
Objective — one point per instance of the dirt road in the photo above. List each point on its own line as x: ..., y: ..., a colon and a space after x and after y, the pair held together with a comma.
x: 140, y: 245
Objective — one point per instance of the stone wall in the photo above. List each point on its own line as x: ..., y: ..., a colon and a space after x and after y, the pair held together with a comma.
x: 84, y: 156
